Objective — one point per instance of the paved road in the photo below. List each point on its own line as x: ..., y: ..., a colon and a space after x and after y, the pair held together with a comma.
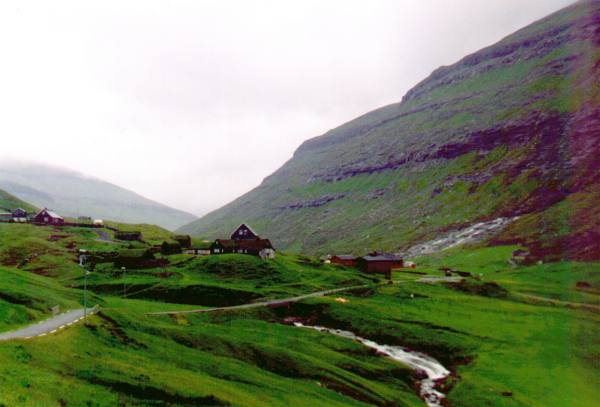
x: 48, y: 326
x: 283, y: 301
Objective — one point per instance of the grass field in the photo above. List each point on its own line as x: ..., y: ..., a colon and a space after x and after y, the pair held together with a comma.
x: 502, y: 349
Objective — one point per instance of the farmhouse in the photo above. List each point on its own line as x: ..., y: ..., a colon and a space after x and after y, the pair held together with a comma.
x: 19, y: 215
x: 244, y: 241
x: 380, y: 263
x: 257, y: 247
x: 48, y: 217
x: 345, y: 260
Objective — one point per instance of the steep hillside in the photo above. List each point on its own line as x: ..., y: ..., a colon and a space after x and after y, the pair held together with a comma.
x: 512, y: 130
x: 10, y: 202
x: 73, y: 194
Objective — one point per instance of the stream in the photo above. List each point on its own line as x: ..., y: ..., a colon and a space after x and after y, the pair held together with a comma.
x: 420, y: 362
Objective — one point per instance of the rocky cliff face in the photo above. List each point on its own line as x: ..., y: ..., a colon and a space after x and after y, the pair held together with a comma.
x: 513, y: 129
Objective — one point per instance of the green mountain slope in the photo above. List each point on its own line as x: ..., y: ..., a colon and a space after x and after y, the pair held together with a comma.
x: 10, y: 202
x: 73, y: 194
x: 510, y: 130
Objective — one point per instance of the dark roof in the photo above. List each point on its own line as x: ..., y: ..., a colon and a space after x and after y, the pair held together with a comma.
x: 226, y: 242
x: 382, y: 257
x: 257, y: 244
x: 344, y: 256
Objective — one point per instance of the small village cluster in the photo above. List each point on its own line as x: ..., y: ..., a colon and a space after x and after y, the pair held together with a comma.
x: 45, y: 217
x: 243, y: 240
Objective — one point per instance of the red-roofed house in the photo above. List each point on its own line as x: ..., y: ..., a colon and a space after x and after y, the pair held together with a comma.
x: 47, y: 217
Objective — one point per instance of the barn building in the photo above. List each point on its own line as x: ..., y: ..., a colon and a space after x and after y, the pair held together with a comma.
x: 344, y: 260
x: 48, y: 217
x: 380, y: 263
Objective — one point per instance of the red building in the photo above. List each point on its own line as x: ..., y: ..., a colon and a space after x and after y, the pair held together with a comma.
x: 380, y: 263
x: 345, y: 260
x: 47, y: 217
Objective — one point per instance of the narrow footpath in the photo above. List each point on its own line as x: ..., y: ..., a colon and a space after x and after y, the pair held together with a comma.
x: 48, y: 326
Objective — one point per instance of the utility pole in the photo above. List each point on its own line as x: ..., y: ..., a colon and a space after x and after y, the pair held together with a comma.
x: 85, y: 292
x: 123, y: 269
x: 82, y: 262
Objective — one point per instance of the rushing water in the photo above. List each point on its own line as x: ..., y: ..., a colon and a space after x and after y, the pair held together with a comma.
x: 431, y: 368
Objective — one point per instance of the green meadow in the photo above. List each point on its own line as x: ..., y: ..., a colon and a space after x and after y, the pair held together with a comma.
x: 503, y: 348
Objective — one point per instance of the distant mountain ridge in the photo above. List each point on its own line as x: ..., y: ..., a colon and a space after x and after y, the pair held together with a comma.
x: 513, y: 129
x: 73, y: 194
x: 9, y: 203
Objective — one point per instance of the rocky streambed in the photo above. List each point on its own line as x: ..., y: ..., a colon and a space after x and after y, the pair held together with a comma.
x: 427, y: 367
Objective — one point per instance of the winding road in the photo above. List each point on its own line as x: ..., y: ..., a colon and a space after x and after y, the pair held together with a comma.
x: 48, y: 326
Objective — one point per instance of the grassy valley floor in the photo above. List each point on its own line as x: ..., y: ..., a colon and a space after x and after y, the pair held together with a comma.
x: 503, y: 348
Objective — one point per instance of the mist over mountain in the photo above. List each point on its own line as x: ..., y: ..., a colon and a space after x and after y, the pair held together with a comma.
x: 510, y: 131
x: 73, y: 194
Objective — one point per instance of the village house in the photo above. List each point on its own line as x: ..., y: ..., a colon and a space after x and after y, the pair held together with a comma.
x: 19, y: 215
x: 344, y: 260
x: 244, y: 241
x: 380, y: 263
x: 48, y: 217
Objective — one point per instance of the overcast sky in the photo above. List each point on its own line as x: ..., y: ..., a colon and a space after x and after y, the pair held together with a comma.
x: 193, y: 103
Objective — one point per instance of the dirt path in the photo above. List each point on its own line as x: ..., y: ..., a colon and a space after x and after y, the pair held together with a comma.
x: 48, y: 326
